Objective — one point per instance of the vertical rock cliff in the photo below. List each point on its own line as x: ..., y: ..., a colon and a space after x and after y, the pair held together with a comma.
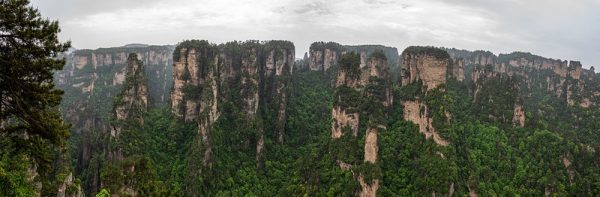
x: 564, y: 79
x: 361, y: 93
x: 523, y: 75
x: 379, y: 100
x: 345, y: 113
x: 90, y: 79
x: 324, y: 55
x: 212, y: 81
x: 195, y: 90
x: 130, y: 104
x: 425, y: 64
x: 427, y: 68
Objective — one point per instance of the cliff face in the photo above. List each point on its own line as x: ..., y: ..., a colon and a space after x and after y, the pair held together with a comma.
x: 207, y: 76
x: 429, y: 66
x: 425, y: 64
x: 131, y: 103
x: 361, y: 93
x: 418, y: 113
x: 564, y: 79
x: 69, y: 188
x: 365, y: 51
x: 325, y: 55
x: 91, y: 78
x: 519, y: 115
x: 345, y: 113
x: 379, y: 94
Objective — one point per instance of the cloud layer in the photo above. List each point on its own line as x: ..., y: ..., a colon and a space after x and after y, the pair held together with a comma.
x: 557, y: 29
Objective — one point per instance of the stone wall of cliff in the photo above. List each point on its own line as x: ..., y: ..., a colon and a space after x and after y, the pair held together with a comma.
x: 361, y: 93
x: 91, y: 79
x: 130, y: 104
x: 564, y: 79
x: 426, y: 64
x: 250, y: 76
x: 430, y: 67
x: 324, y: 55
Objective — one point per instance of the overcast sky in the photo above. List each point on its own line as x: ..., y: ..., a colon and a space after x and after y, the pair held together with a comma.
x: 561, y: 29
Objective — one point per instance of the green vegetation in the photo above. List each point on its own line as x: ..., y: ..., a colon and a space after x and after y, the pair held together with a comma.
x: 426, y: 50
x: 32, y: 134
x: 525, y: 55
x: 320, y: 46
x: 350, y: 64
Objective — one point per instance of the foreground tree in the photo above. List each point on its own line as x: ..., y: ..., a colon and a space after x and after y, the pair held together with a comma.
x: 31, y: 129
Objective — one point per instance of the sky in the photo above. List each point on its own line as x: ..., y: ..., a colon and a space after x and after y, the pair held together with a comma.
x: 559, y: 29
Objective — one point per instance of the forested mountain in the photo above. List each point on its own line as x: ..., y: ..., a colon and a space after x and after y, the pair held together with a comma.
x: 242, y: 118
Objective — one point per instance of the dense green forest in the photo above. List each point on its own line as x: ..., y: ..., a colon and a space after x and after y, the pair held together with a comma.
x: 487, y: 155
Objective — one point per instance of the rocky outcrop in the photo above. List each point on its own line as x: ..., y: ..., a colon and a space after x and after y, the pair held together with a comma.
x: 561, y: 78
x: 278, y: 79
x: 418, y: 113
x: 430, y: 66
x: 69, y: 188
x: 91, y: 78
x: 195, y: 89
x: 472, y: 57
x: 365, y: 51
x: 323, y: 55
x: 131, y: 103
x: 519, y: 116
x: 368, y: 189
x: 458, y: 69
x: 358, y: 88
x: 379, y: 94
x: 478, y: 77
x: 207, y: 75
x: 345, y: 113
x: 133, y: 99
x: 426, y: 64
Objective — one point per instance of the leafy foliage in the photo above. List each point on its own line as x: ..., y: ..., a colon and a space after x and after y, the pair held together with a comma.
x: 426, y: 50
x: 32, y: 135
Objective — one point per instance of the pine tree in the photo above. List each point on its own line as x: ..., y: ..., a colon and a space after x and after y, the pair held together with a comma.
x: 31, y: 127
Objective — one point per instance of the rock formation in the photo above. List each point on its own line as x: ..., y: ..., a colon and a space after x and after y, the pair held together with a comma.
x: 519, y: 115
x: 323, y: 55
x: 357, y: 89
x: 561, y: 78
x: 91, y: 78
x: 131, y: 103
x: 206, y: 75
x: 69, y: 188
x: 418, y: 113
x: 426, y: 64
x: 345, y: 113
x: 429, y: 66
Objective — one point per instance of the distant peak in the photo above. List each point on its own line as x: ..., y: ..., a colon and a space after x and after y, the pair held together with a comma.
x: 135, y: 45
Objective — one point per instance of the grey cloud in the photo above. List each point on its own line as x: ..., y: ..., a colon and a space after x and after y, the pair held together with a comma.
x: 557, y: 29
x: 316, y: 8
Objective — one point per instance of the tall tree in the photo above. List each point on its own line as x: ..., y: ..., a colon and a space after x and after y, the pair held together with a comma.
x: 30, y: 124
